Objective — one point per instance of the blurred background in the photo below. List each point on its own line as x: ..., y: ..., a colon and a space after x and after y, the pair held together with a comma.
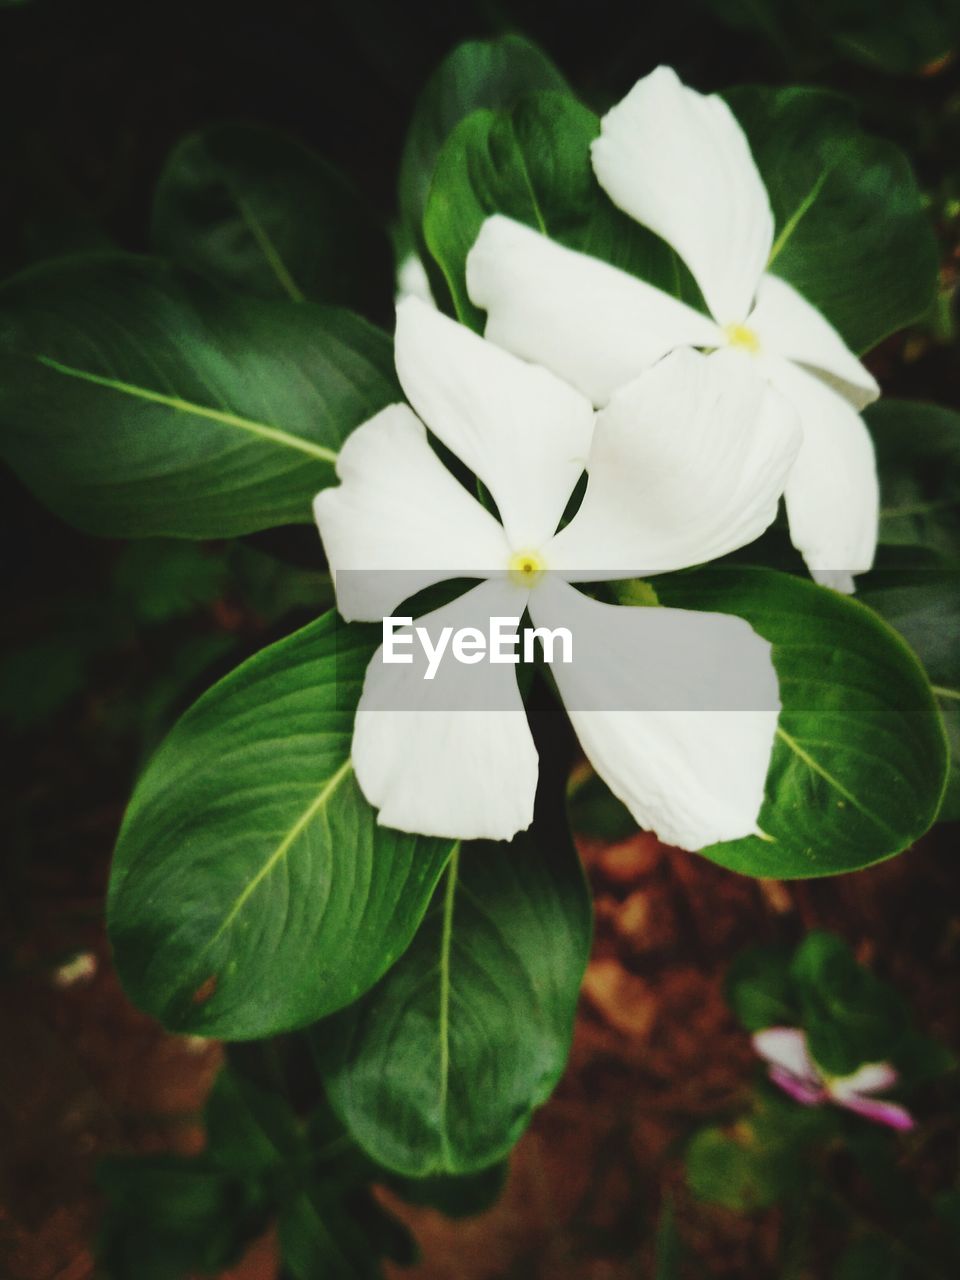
x: 104, y: 643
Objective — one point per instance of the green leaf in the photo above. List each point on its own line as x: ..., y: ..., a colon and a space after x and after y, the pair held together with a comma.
x: 918, y: 459
x: 533, y: 164
x: 255, y: 211
x: 595, y: 811
x: 167, y: 1217
x: 137, y: 401
x: 439, y: 1068
x: 476, y: 74
x: 924, y: 606
x: 324, y: 1236
x: 760, y: 989
x: 851, y: 233
x: 252, y: 889
x: 668, y: 1245
x: 759, y: 1161
x: 455, y: 1197
x: 849, y: 1015
x: 899, y: 37
x: 252, y: 1131
x: 859, y: 764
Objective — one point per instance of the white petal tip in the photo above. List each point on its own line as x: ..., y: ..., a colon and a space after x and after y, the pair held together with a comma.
x: 413, y: 282
x: 423, y: 826
x: 841, y: 580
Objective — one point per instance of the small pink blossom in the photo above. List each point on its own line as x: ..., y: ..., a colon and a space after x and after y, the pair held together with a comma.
x: 793, y: 1070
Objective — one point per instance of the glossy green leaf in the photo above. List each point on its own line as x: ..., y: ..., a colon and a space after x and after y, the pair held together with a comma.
x: 851, y: 232
x: 478, y: 73
x: 252, y: 889
x: 439, y: 1068
x: 533, y: 164
x: 324, y: 1235
x: 137, y: 401
x: 918, y: 459
x: 859, y: 762
x: 923, y: 603
x: 258, y: 212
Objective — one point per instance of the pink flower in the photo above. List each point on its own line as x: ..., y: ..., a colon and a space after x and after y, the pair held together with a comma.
x: 793, y: 1070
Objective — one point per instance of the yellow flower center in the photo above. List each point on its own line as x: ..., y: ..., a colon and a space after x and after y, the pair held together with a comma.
x: 525, y: 567
x: 739, y: 335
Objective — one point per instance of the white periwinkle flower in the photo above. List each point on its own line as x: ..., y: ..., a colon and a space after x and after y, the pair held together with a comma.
x: 678, y: 162
x: 683, y: 465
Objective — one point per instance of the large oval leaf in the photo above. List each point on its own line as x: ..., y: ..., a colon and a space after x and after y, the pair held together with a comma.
x: 252, y: 889
x: 923, y: 603
x: 860, y: 761
x: 851, y: 232
x: 135, y: 400
x: 476, y: 74
x: 439, y: 1068
x: 918, y: 458
x: 533, y: 164
x: 256, y: 211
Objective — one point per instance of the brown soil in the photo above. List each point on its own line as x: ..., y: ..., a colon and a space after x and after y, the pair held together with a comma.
x: 656, y: 1052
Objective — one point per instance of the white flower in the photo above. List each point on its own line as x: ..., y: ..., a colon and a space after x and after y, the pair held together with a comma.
x: 679, y: 163
x: 700, y: 478
x: 792, y: 1069
x: 412, y: 280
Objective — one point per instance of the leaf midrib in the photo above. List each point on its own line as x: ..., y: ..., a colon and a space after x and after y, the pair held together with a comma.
x: 819, y: 769
x: 268, y: 249
x: 446, y: 940
x: 262, y: 429
x: 803, y: 208
x: 282, y: 849
x: 528, y: 183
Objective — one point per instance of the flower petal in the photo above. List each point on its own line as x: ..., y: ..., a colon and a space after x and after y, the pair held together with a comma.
x: 592, y: 324
x: 888, y: 1113
x: 678, y: 162
x: 452, y: 756
x: 636, y: 694
x: 832, y: 494
x: 802, y: 1091
x: 519, y: 428
x: 399, y: 521
x: 872, y: 1077
x: 787, y: 325
x: 786, y: 1047
x: 412, y: 280
x: 688, y: 462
